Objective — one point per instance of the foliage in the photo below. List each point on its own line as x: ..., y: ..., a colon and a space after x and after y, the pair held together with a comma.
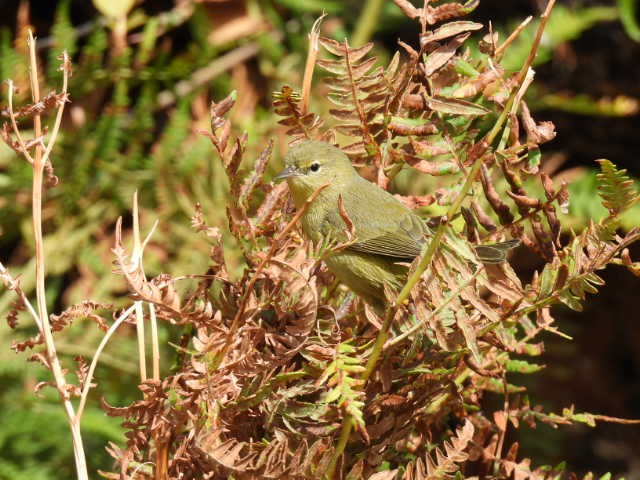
x: 272, y: 353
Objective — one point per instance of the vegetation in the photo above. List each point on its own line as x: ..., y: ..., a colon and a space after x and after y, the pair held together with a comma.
x: 261, y: 365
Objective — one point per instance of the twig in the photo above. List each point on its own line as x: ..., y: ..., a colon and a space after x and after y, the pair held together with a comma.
x: 14, y: 124
x: 136, y: 259
x: 502, y: 48
x: 155, y: 345
x: 39, y: 161
x: 12, y: 284
x: 624, y: 421
x: 94, y: 362
x: 142, y: 360
x: 66, y: 67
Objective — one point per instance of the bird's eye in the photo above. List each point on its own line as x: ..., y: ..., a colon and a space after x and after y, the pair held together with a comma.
x: 315, y: 166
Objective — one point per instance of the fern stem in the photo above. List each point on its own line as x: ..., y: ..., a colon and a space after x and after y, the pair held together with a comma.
x: 428, y: 252
x: 137, y: 259
x: 421, y: 323
x: 155, y: 342
x: 94, y: 362
x: 343, y: 439
x: 367, y: 21
x: 38, y: 164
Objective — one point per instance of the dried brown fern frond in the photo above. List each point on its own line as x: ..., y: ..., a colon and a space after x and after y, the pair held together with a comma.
x: 283, y: 375
x: 287, y: 104
x: 278, y: 458
x: 359, y: 90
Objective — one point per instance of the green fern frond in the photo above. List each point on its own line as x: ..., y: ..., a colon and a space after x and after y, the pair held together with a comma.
x: 340, y: 375
x: 615, y: 187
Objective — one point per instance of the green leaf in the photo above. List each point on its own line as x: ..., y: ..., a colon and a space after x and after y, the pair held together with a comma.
x: 533, y: 159
x: 571, y: 301
x: 455, y: 106
x: 615, y: 187
x: 522, y: 366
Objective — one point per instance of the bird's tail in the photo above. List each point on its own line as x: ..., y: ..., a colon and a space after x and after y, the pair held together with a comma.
x: 495, y: 252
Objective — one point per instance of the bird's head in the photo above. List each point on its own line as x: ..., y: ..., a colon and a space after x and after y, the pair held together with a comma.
x: 312, y: 164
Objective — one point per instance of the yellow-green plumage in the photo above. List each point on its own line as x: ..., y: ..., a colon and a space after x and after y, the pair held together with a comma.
x: 388, y: 234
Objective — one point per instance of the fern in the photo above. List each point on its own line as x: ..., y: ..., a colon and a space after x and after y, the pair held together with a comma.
x: 616, y: 189
x: 360, y: 91
x: 286, y: 104
x: 443, y: 465
x: 341, y: 376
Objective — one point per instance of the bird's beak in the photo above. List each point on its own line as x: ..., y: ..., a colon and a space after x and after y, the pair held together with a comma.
x: 288, y: 172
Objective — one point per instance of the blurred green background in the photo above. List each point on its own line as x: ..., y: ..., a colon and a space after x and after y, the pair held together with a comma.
x: 138, y: 99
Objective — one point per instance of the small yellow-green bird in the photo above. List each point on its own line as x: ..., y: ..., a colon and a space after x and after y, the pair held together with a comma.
x: 388, y: 235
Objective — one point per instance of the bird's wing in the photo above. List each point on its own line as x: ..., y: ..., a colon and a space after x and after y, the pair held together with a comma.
x: 402, y: 239
x: 383, y: 225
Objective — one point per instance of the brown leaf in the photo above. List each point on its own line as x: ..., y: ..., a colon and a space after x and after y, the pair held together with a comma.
x: 537, y: 133
x: 440, y: 56
x: 407, y: 8
x: 450, y: 29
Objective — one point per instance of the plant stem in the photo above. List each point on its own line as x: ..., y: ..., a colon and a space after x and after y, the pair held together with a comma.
x: 39, y: 161
x: 96, y: 357
x: 155, y: 343
x: 428, y: 252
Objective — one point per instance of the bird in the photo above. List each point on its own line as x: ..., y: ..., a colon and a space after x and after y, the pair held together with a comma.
x: 388, y: 235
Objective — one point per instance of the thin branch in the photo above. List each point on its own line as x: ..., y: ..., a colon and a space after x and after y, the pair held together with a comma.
x: 12, y: 284
x: 502, y: 48
x: 155, y: 343
x: 136, y: 259
x: 94, y: 363
x: 142, y: 360
x: 52, y: 356
x: 14, y: 124
x: 56, y: 125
